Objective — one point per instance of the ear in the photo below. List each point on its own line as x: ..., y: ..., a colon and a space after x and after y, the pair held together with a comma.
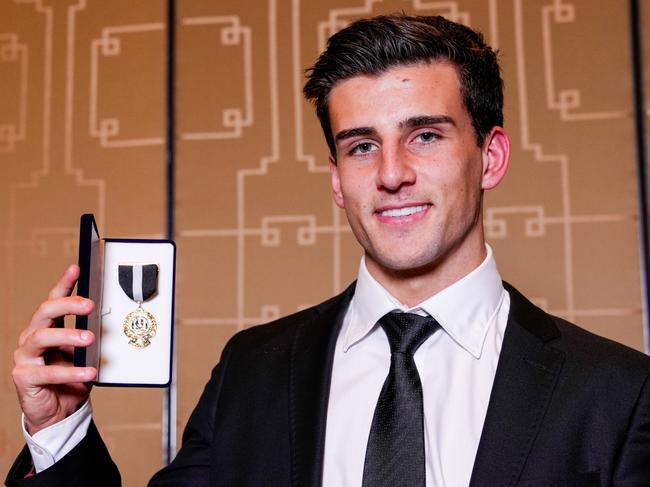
x: 337, y: 195
x: 496, y: 155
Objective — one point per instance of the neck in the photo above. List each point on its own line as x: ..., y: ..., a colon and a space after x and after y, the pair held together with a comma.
x: 413, y: 286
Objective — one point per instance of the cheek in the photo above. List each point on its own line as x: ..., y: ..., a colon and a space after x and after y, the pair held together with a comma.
x: 353, y: 193
x: 458, y: 191
x: 468, y: 176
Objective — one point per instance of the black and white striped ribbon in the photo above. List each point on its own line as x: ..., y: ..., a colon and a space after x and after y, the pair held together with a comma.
x: 139, y: 282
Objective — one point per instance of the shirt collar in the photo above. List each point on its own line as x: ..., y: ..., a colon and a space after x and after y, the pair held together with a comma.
x: 465, y: 310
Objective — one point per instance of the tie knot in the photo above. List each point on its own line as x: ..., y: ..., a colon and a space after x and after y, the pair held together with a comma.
x: 407, y: 331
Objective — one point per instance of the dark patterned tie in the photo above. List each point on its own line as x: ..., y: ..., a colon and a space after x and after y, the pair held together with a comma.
x: 395, y: 452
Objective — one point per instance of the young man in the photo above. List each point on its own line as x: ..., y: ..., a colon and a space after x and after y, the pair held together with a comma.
x: 427, y: 372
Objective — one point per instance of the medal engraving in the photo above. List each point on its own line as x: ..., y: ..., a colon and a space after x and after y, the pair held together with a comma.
x: 140, y: 283
x: 140, y: 327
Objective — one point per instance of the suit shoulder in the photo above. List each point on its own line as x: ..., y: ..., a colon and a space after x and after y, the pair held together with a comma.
x: 280, y: 332
x: 595, y: 348
x: 586, y: 351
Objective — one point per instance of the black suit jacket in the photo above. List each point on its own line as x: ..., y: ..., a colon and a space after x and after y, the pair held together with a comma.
x: 567, y: 408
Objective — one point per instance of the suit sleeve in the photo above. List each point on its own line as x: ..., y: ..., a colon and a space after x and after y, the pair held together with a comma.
x: 632, y: 466
x: 191, y: 467
x: 88, y: 463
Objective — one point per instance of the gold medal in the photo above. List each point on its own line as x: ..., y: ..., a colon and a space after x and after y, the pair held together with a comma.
x: 140, y: 327
x: 139, y: 283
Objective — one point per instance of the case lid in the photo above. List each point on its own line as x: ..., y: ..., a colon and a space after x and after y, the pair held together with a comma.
x: 87, y: 287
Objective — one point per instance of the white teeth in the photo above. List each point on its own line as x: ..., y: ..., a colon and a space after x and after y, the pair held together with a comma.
x: 403, y: 211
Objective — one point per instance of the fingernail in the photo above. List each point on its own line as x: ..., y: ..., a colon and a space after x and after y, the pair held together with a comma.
x: 84, y: 336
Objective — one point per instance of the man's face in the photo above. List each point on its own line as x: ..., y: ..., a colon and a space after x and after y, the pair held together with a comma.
x: 409, y: 173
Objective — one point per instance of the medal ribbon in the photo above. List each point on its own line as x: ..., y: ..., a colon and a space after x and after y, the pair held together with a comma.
x: 139, y: 282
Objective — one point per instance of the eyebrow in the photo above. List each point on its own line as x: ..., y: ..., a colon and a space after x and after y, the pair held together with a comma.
x: 411, y: 122
x: 427, y: 120
x: 355, y: 132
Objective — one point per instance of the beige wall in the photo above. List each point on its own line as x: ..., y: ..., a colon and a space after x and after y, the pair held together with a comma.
x: 82, y: 127
x: 83, y: 111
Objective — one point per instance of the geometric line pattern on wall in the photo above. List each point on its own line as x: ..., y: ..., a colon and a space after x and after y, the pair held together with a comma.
x: 269, y: 229
x: 298, y: 80
x: 450, y: 10
x: 12, y: 51
x: 110, y: 45
x: 265, y: 161
x: 301, y: 155
x: 565, y: 100
x: 76, y: 172
x: 37, y: 243
x: 232, y: 34
x: 68, y: 82
x: 305, y: 235
x: 496, y: 227
x: 538, y: 154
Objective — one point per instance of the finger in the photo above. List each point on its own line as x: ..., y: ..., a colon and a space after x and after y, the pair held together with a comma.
x: 52, y: 309
x: 26, y: 376
x: 43, y: 339
x: 66, y: 283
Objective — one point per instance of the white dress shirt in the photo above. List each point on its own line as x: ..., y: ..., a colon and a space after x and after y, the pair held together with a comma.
x: 456, y: 364
x: 51, y: 444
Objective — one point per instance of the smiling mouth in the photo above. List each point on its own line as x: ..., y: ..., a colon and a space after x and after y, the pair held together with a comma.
x: 401, y: 212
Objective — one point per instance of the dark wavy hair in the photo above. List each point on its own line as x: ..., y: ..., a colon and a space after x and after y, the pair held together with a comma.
x: 373, y: 46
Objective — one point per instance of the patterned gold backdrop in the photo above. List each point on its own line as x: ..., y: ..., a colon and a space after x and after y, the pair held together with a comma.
x: 82, y: 129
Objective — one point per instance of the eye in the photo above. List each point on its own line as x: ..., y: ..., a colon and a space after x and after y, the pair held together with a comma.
x: 363, y: 148
x: 426, y: 137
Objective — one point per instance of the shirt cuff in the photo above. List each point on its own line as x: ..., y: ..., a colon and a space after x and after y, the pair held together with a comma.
x: 51, y: 444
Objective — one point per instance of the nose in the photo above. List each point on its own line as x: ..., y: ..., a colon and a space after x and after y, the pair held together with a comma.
x: 394, y: 170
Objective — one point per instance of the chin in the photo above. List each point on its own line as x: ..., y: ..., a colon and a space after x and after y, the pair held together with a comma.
x: 416, y: 264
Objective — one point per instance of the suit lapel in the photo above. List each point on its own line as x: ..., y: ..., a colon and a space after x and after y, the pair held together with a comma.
x: 310, y: 374
x: 525, y: 378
